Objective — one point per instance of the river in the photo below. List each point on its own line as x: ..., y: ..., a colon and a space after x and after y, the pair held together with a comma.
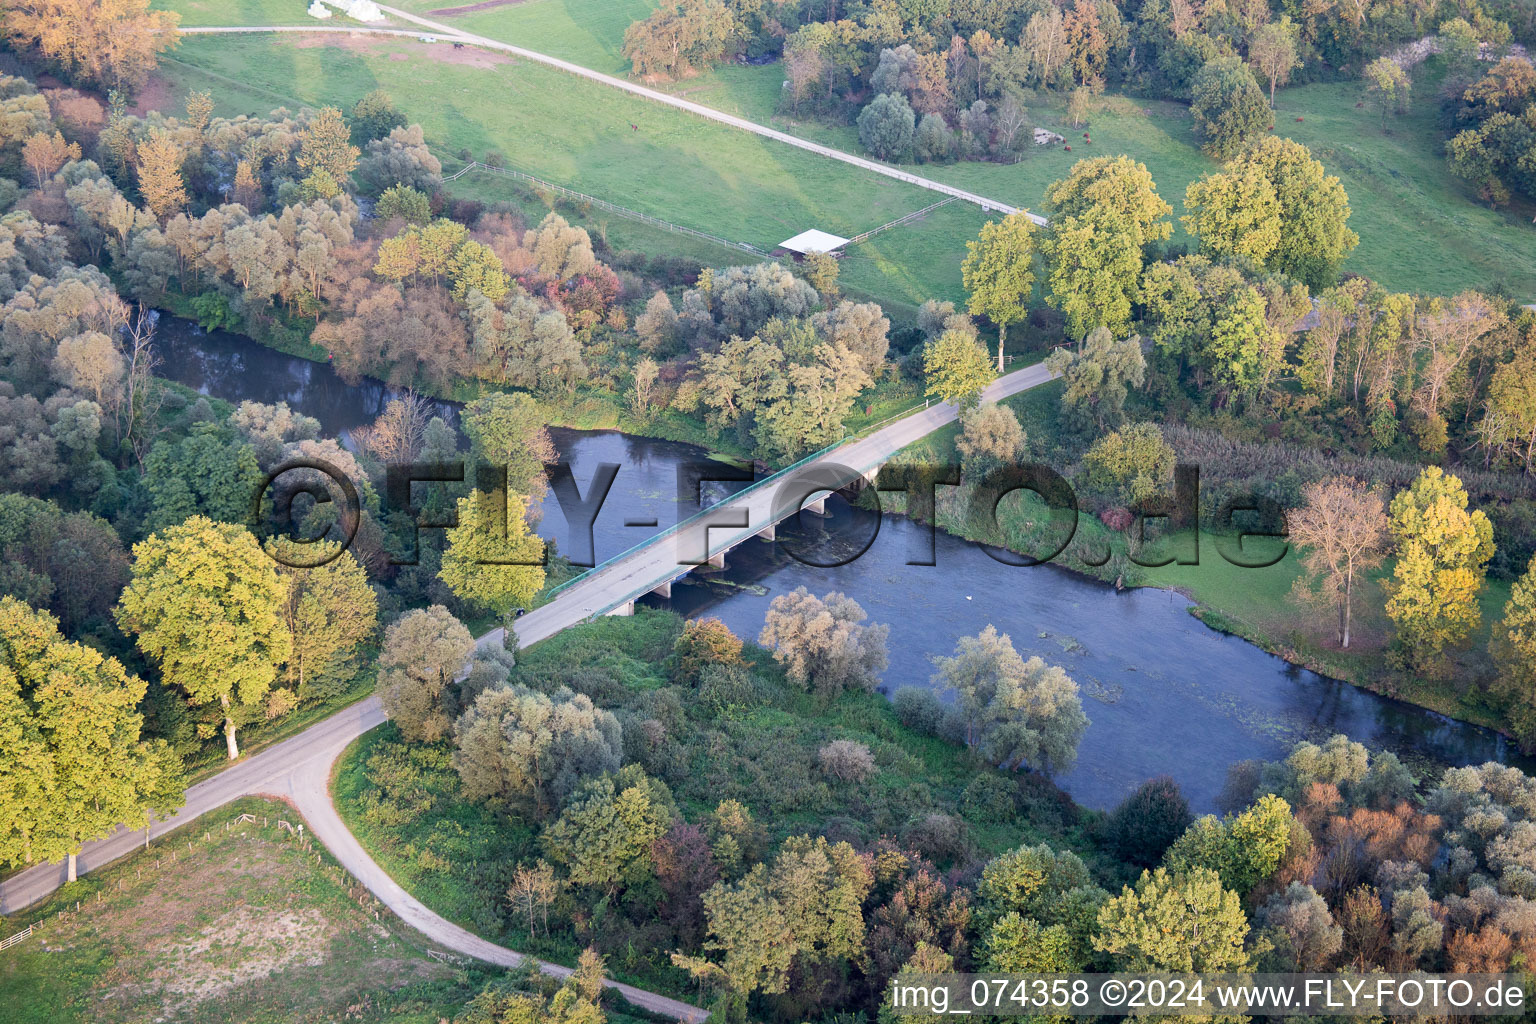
x: 1165, y: 694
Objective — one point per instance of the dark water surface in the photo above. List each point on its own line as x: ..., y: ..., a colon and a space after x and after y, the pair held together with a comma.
x: 1164, y: 693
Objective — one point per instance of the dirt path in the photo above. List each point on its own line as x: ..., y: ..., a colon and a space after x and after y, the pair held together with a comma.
x: 483, y: 5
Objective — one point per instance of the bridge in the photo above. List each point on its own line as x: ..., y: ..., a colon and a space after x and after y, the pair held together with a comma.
x: 755, y: 512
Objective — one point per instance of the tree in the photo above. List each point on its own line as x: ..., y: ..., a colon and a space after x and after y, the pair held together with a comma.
x: 1095, y: 270
x: 657, y: 326
x: 998, y: 273
x: 325, y: 145
x: 1514, y: 653
x: 1244, y: 849
x: 531, y: 749
x: 424, y: 651
x: 1118, y: 184
x: 1387, y: 86
x: 330, y: 611
x: 1182, y: 923
x: 112, y: 44
x: 821, y: 270
x: 202, y: 474
x: 400, y: 158
x: 1017, y: 713
x: 1343, y: 528
x: 603, y: 837
x: 886, y: 127
x: 956, y: 368
x: 990, y: 436
x: 1306, y: 237
x: 508, y: 430
x: 1099, y: 376
x: 821, y: 643
x: 91, y: 363
x: 374, y: 117
x: 475, y: 266
x: 1228, y: 107
x: 532, y: 891
x: 160, y: 181
x: 1301, y: 928
x: 561, y: 250
x: 406, y: 203
x: 1149, y: 821
x: 1032, y: 882
x: 1442, y: 556
x: 492, y: 559
x: 678, y: 37
x: 1132, y: 464
x: 76, y: 767
x: 1272, y: 52
x: 44, y: 154
x: 206, y: 604
x: 703, y: 642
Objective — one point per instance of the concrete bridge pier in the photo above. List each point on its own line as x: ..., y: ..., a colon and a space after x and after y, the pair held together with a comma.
x: 665, y: 590
x: 625, y: 609
x: 718, y: 561
x: 819, y: 506
x: 768, y: 533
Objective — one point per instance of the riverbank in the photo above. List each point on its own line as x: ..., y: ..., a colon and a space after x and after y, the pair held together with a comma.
x: 1257, y: 605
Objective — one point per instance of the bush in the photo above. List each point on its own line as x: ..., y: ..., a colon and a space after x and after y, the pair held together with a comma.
x: 1149, y: 820
x: 919, y: 710
x: 722, y: 687
x: 989, y: 797
x: 703, y: 642
x: 941, y: 838
x: 847, y: 761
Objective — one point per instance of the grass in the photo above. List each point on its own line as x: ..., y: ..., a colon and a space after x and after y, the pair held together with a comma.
x: 1395, y: 176
x: 242, y: 926
x: 576, y: 133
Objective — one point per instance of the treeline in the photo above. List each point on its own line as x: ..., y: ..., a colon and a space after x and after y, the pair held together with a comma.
x: 1494, y: 119
x: 954, y: 79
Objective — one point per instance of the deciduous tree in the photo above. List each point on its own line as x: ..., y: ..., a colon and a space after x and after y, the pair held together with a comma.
x: 956, y: 368
x: 492, y: 560
x: 821, y: 642
x: 205, y: 602
x: 424, y: 651
x: 1442, y: 556
x: 998, y: 273
x: 1343, y: 528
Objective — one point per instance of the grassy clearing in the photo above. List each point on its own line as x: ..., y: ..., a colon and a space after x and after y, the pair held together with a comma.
x: 245, y: 926
x: 578, y: 134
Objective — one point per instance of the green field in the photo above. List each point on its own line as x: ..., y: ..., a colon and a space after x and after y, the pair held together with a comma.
x: 576, y: 133
x: 242, y: 925
x: 1397, y: 180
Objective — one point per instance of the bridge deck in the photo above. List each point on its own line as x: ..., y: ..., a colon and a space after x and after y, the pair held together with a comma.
x: 672, y: 554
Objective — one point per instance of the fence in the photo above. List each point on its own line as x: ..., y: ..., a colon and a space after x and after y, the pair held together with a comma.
x: 603, y: 204
x: 11, y: 940
x: 899, y: 221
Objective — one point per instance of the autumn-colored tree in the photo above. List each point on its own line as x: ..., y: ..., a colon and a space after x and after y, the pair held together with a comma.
x: 1442, y: 557
x: 160, y: 181
x: 678, y: 37
x: 1343, y: 528
x: 999, y: 274
x: 822, y: 643
x: 703, y: 642
x: 45, y: 154
x: 956, y: 368
x: 1174, y: 922
x: 206, y: 604
x: 108, y: 43
x: 247, y: 188
x: 330, y: 611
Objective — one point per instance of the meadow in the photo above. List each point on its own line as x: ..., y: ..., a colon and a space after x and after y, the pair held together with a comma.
x: 243, y: 925
x: 584, y: 136
x: 1395, y: 174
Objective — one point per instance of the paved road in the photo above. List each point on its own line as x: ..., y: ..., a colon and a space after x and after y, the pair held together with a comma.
x: 613, y: 585
x: 452, y: 34
x: 299, y: 768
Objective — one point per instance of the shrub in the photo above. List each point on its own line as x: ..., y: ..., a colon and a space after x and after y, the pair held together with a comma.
x: 989, y: 797
x: 941, y: 838
x: 919, y: 709
x: 722, y: 687
x: 847, y: 761
x: 1149, y: 820
x: 703, y: 642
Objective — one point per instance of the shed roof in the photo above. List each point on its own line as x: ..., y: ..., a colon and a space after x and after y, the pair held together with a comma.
x: 813, y: 241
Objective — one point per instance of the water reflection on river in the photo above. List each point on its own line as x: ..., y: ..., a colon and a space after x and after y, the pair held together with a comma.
x: 1165, y: 694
